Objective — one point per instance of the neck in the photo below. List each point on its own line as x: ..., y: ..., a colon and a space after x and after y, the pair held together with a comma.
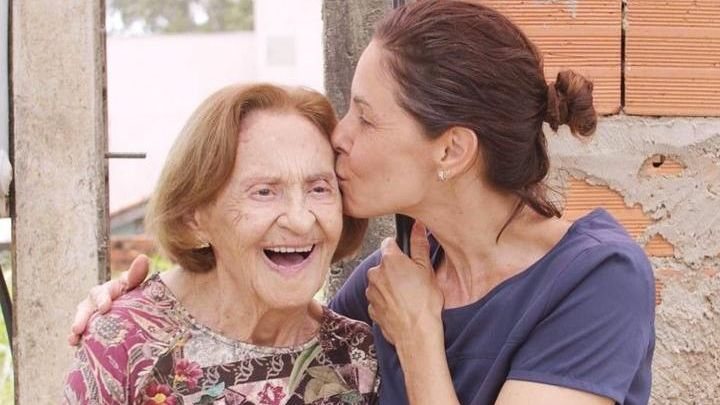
x: 466, y: 216
x: 223, y: 303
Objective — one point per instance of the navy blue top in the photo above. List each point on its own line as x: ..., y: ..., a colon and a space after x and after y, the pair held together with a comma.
x: 581, y: 317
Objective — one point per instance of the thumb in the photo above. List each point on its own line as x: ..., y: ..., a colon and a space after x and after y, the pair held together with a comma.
x: 419, y: 245
x: 137, y: 272
x: 389, y: 246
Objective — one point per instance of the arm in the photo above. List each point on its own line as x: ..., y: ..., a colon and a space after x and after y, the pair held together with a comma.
x: 596, y: 337
x: 98, y: 373
x: 524, y: 392
x: 100, y: 298
x: 425, y: 367
x: 407, y: 303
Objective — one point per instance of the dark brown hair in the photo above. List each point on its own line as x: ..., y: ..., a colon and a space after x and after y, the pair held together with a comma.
x: 463, y: 64
x: 202, y: 159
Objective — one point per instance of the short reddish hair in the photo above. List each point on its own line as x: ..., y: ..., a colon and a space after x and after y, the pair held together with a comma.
x: 203, y: 157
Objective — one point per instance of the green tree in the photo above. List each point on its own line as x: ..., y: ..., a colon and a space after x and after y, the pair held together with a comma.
x: 175, y: 16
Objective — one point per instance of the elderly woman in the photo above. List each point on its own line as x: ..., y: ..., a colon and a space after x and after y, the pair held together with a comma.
x: 248, y: 205
x: 503, y: 301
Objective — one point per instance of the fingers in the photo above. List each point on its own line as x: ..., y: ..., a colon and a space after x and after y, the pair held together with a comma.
x: 83, y: 313
x: 374, y: 302
x: 73, y: 339
x: 101, y: 297
x: 110, y: 291
x: 137, y: 272
x: 372, y: 293
x: 389, y: 246
x: 371, y: 313
x: 419, y: 245
x: 105, y: 294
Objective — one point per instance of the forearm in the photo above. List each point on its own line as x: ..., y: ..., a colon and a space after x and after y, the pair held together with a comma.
x: 425, y: 367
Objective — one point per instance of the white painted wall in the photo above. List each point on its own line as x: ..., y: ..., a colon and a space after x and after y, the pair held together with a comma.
x: 154, y: 84
x: 289, y: 42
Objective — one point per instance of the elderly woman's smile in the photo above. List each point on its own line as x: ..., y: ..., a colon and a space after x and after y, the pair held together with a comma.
x: 289, y: 259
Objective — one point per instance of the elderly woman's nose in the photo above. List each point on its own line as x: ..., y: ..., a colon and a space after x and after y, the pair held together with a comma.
x: 297, y: 217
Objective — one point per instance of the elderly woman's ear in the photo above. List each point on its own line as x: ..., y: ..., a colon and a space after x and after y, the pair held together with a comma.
x: 456, y: 152
x: 195, y: 221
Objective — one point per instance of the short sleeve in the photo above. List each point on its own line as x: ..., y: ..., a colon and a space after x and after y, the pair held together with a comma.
x: 598, y: 328
x: 350, y: 301
x: 99, y: 370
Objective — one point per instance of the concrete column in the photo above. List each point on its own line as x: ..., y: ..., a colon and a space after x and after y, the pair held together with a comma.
x: 60, y: 202
x: 348, y: 28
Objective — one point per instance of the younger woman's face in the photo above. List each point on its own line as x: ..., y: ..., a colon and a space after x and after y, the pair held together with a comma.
x: 384, y: 161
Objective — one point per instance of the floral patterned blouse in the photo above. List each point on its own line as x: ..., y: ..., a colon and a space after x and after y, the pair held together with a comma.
x: 149, y: 350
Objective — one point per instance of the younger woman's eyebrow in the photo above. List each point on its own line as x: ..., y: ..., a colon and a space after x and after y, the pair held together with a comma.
x: 360, y: 100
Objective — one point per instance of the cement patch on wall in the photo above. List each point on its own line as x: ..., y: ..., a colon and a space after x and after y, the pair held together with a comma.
x: 683, y: 203
x: 684, y: 206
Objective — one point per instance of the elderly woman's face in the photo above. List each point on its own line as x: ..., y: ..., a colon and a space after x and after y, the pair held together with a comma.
x: 277, y: 223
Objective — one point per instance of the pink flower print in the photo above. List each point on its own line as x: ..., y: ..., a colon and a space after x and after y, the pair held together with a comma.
x: 271, y: 395
x: 159, y: 394
x: 188, y: 372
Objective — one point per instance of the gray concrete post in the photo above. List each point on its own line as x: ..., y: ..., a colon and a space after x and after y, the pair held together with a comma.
x: 348, y: 26
x: 60, y: 203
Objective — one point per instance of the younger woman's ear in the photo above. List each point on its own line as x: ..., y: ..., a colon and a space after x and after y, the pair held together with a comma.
x: 458, y: 150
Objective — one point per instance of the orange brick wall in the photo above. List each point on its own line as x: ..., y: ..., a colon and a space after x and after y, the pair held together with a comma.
x: 672, y: 50
x: 672, y: 57
x: 582, y: 197
x: 585, y: 37
x: 123, y: 249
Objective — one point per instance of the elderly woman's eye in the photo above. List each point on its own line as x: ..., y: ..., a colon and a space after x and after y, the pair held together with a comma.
x: 321, y: 188
x: 263, y: 192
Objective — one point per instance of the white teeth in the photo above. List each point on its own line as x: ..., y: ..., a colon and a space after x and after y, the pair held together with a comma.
x: 286, y: 249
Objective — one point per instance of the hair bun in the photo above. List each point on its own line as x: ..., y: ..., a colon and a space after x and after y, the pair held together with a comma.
x: 570, y: 102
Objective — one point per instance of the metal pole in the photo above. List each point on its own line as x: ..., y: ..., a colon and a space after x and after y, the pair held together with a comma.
x: 5, y: 299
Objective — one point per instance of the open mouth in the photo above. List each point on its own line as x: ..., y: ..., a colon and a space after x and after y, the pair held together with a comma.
x: 288, y: 256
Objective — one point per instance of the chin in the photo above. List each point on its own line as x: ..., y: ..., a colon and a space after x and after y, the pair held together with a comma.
x: 292, y: 300
x: 356, y: 210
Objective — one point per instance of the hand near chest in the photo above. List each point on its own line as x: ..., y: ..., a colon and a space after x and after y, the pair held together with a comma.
x: 403, y: 295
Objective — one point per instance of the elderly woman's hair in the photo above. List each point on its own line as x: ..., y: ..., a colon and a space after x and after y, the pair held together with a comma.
x: 202, y: 161
x: 459, y: 63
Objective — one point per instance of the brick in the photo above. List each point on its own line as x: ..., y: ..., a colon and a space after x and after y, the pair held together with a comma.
x: 582, y: 36
x: 123, y: 249
x: 672, y: 57
x: 582, y: 197
x: 658, y: 246
x: 661, y: 165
